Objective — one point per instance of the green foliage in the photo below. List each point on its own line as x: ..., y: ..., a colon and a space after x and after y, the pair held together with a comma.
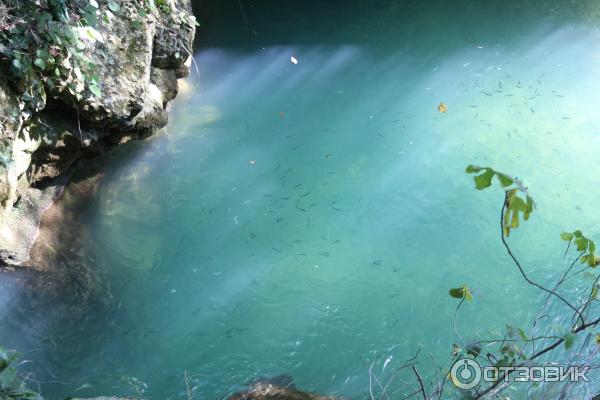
x: 569, y: 339
x: 584, y: 245
x: 516, y: 333
x: 44, y: 48
x: 484, y: 179
x: 461, y: 293
x: 11, y: 384
x: 162, y: 5
x: 517, y: 206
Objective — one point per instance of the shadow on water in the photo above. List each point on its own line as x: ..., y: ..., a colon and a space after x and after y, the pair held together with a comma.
x: 61, y: 294
x: 252, y: 24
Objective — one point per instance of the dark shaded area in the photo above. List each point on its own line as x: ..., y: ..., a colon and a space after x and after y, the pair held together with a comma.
x: 263, y: 23
x: 62, y: 294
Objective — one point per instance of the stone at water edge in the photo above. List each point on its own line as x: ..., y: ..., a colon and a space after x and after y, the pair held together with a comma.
x: 269, y: 391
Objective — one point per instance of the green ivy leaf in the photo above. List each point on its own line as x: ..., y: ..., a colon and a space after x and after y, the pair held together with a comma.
x: 582, y: 244
x: 95, y: 89
x: 567, y: 237
x: 113, y: 6
x: 472, y: 169
x: 505, y: 180
x: 461, y: 293
x: 522, y: 334
x: 484, y: 180
x: 41, y: 64
x: 569, y: 340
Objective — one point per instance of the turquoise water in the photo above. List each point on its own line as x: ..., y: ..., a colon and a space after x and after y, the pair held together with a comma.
x: 308, y: 219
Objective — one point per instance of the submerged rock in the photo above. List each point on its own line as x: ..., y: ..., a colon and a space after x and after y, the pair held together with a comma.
x: 267, y: 390
x: 138, y: 50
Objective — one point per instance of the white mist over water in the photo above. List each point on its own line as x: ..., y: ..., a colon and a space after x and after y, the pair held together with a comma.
x: 307, y: 218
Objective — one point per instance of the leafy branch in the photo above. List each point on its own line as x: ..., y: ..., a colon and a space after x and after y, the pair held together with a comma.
x: 517, y: 347
x: 12, y: 385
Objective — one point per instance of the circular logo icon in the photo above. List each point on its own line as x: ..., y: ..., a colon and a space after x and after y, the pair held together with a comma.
x: 465, y: 373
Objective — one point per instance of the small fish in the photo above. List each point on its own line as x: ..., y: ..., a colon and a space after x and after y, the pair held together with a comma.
x: 298, y: 206
x: 385, y: 364
x: 443, y: 108
x: 251, y: 162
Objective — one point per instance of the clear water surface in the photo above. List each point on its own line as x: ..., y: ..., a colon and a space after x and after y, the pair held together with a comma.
x: 308, y: 219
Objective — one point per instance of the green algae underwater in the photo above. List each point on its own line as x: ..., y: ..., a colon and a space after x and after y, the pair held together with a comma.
x: 308, y: 218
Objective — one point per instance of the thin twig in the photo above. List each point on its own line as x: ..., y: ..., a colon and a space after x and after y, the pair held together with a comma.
x: 518, y: 264
x: 454, y: 322
x: 420, y: 382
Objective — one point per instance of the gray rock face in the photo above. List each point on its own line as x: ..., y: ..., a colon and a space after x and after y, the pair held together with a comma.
x: 138, y: 62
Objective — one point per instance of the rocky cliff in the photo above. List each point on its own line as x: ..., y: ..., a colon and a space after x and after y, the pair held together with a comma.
x: 78, y: 77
